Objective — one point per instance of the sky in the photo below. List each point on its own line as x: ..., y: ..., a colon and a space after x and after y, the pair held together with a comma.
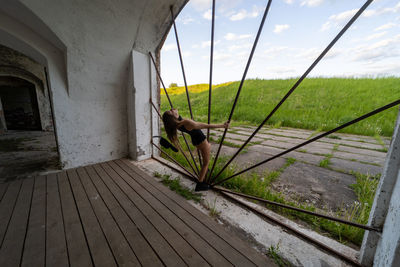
x: 294, y: 35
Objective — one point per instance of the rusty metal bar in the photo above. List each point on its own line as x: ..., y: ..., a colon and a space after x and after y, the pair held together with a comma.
x: 175, y: 169
x: 191, y: 154
x: 362, y: 226
x: 295, y: 231
x: 176, y: 162
x: 326, y: 50
x: 179, y: 147
x: 211, y: 68
x: 395, y: 103
x: 158, y: 112
x: 170, y: 103
x: 181, y: 60
x: 161, y: 80
x: 241, y: 84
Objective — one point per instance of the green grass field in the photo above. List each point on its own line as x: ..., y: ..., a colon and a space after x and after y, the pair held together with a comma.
x: 317, y: 104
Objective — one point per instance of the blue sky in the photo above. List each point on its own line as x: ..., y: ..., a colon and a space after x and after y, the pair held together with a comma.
x: 294, y: 34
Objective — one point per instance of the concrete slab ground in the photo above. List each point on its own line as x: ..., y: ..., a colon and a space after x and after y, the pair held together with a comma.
x: 27, y: 153
x: 323, y: 170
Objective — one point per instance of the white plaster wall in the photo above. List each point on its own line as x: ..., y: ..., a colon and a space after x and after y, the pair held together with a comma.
x: 384, y: 193
x: 93, y: 46
x: 388, y: 250
x: 142, y: 89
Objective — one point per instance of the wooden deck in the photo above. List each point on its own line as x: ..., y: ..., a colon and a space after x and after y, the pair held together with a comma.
x: 110, y: 214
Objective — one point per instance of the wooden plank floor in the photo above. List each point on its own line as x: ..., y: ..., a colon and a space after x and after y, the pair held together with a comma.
x: 110, y: 214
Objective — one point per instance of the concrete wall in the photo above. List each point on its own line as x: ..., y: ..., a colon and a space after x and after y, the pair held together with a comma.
x: 383, y: 248
x: 15, y: 64
x: 86, y: 46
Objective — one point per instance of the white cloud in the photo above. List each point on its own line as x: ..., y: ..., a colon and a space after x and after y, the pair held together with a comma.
x: 383, y: 49
x: 231, y: 36
x: 239, y: 47
x: 242, y: 14
x: 218, y: 56
x: 375, y: 36
x: 310, y: 53
x: 208, y: 14
x: 187, y: 54
x: 312, y: 3
x: 169, y: 47
x: 208, y: 43
x: 288, y: 1
x: 185, y: 20
x: 281, y: 27
x: 340, y: 18
x: 200, y: 4
x: 385, y: 26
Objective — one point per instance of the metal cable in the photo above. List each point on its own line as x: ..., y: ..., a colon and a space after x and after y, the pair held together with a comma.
x: 241, y: 83
x: 397, y: 102
x: 353, y: 19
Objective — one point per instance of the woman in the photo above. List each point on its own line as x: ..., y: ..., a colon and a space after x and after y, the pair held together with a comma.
x: 173, y: 122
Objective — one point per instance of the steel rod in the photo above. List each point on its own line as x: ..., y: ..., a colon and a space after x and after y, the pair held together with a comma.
x: 211, y: 68
x: 190, y: 151
x: 241, y: 83
x: 295, y: 231
x: 171, y: 158
x: 179, y: 147
x: 174, y: 168
x: 362, y: 226
x: 158, y: 112
x: 397, y: 102
x: 326, y: 50
x: 161, y: 80
x: 181, y: 60
x: 170, y: 103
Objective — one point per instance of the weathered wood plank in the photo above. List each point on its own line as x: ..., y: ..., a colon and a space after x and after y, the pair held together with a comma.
x: 120, y: 247
x: 188, y: 254
x: 164, y: 249
x: 35, y: 242
x: 3, y: 189
x: 56, y: 245
x: 232, y: 255
x: 234, y: 241
x: 78, y: 251
x: 11, y: 249
x: 7, y: 206
x: 140, y: 246
x: 194, y: 239
x: 98, y: 246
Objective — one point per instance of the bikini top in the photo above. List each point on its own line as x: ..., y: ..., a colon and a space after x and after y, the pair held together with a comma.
x: 196, y: 135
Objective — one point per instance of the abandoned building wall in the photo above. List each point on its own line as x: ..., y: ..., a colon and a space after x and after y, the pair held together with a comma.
x: 15, y: 64
x: 92, y: 42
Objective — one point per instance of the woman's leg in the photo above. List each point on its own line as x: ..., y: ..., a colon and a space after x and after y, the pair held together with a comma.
x: 205, y: 149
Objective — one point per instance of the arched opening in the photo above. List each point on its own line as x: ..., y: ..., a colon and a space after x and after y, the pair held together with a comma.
x: 27, y: 139
x: 20, y: 106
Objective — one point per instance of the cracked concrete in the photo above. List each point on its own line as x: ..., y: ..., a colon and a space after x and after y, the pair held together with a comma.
x: 343, y: 154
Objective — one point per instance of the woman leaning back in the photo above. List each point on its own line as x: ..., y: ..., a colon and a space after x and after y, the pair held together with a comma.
x: 173, y: 122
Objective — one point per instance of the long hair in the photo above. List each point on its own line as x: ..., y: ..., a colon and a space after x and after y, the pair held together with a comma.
x: 171, y: 124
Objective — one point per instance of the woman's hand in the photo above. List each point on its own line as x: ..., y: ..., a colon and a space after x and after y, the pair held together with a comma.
x: 226, y: 124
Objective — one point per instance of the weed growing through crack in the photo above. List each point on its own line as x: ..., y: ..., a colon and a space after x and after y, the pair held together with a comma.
x: 274, y: 253
x: 174, y: 185
x: 211, y: 206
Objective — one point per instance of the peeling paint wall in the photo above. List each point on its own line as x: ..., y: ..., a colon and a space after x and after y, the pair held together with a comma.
x: 385, y: 211
x: 86, y: 47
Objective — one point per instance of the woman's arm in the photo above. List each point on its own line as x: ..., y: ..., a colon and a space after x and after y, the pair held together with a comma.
x: 190, y: 125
